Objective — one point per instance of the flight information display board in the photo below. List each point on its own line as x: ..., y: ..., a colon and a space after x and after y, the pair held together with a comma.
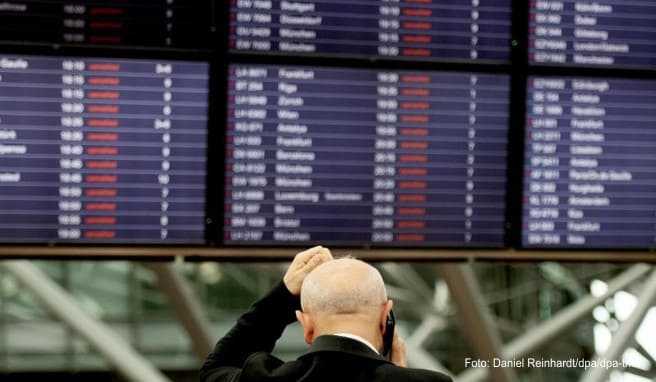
x: 102, y: 150
x: 365, y: 157
x: 476, y: 30
x: 152, y: 23
x: 590, y: 33
x: 590, y: 163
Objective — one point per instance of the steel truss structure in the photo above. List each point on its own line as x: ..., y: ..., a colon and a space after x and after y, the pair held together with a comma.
x: 456, y: 281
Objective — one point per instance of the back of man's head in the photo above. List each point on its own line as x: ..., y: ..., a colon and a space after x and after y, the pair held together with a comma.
x: 343, y: 287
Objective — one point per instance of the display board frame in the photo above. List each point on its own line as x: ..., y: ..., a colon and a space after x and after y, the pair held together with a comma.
x: 523, y: 69
x: 286, y: 254
x: 378, y: 63
x: 519, y: 70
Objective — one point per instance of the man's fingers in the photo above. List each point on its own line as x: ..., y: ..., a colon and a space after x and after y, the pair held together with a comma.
x: 399, y: 350
x: 323, y: 255
x: 305, y: 256
x: 304, y: 262
x: 320, y: 253
x: 319, y: 258
x: 308, y: 252
x: 309, y: 259
x: 398, y: 342
x: 312, y: 263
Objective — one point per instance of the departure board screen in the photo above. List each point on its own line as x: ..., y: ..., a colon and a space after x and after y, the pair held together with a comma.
x: 590, y: 33
x: 365, y: 157
x: 590, y: 163
x: 102, y: 150
x: 152, y: 23
x: 440, y: 30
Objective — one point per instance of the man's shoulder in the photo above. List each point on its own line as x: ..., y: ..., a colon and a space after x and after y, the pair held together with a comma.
x: 260, y: 366
x: 264, y: 365
x: 407, y: 374
x: 267, y: 363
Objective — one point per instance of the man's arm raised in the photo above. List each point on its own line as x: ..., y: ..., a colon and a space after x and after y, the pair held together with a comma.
x: 259, y: 328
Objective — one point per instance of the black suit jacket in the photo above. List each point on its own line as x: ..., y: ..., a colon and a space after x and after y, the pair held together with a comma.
x: 243, y: 355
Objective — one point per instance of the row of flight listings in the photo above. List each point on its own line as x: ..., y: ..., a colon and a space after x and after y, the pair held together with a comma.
x: 101, y: 150
x: 609, y: 33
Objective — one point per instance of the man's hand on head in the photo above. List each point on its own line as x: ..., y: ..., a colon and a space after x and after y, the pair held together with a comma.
x: 304, y: 263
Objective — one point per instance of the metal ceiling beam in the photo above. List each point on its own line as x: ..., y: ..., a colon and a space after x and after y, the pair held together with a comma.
x: 188, y: 308
x: 419, y: 358
x: 408, y: 278
x: 477, y: 322
x: 425, y: 330
x: 416, y: 292
x: 539, y: 335
x: 649, y: 375
x: 643, y: 352
x: 625, y: 334
x: 562, y: 277
x: 110, y: 345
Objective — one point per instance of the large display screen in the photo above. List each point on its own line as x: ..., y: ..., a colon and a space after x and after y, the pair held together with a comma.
x: 476, y: 31
x: 151, y: 23
x: 102, y: 150
x: 593, y: 33
x: 590, y: 163
x: 365, y: 157
x: 424, y: 124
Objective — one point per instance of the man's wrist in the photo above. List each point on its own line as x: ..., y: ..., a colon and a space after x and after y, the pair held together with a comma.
x: 290, y: 289
x: 289, y: 303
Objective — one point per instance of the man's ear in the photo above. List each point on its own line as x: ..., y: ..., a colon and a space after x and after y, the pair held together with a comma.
x: 308, y: 326
x: 387, y: 308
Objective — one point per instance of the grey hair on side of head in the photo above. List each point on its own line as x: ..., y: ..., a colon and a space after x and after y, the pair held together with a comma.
x: 343, y: 286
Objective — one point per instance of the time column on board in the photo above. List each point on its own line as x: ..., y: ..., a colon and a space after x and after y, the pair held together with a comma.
x: 88, y: 159
x: 384, y: 182
x: 71, y: 150
x: 430, y: 29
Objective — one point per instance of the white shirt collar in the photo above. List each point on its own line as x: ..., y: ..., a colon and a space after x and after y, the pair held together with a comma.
x: 357, y: 338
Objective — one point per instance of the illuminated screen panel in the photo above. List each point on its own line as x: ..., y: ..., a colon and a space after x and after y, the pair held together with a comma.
x: 102, y: 150
x: 593, y: 33
x: 590, y: 160
x: 151, y: 23
x: 438, y: 30
x: 365, y: 157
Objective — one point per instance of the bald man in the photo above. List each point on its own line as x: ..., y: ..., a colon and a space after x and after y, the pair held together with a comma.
x: 342, y: 306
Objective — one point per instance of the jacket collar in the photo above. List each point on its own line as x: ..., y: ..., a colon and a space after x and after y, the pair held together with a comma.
x: 329, y: 343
